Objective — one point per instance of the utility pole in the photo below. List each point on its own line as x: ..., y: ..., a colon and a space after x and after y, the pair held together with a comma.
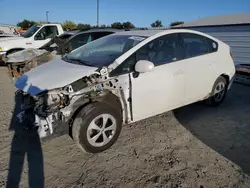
x: 47, y: 16
x: 97, y: 13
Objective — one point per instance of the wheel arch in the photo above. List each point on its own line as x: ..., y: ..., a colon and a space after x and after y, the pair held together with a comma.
x: 226, y: 77
x: 107, y: 98
x: 13, y: 49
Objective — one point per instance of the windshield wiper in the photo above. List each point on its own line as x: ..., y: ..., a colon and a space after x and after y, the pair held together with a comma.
x: 75, y: 61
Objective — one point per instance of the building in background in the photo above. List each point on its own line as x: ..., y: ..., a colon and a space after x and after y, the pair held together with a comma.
x: 233, y: 29
x: 10, y: 29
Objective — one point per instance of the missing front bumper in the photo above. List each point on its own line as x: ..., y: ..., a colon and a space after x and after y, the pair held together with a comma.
x: 50, y: 127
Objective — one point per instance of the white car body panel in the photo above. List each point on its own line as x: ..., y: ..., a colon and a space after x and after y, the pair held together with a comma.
x: 200, y: 80
x: 158, y: 91
x: 52, y: 75
x: 22, y: 43
x: 9, y: 38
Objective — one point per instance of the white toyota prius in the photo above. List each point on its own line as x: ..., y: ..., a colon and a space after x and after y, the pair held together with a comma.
x: 123, y: 78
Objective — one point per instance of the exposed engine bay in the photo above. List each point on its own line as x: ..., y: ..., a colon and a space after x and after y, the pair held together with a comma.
x: 48, y: 111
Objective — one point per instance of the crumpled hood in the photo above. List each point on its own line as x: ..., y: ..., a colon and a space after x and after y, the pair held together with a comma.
x: 51, y: 75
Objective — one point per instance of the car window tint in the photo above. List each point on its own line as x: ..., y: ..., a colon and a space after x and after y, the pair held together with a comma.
x: 213, y: 46
x: 98, y: 35
x: 162, y: 50
x: 78, y: 41
x: 195, y: 45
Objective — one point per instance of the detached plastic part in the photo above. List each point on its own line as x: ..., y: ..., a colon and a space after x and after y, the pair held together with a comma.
x: 25, y: 55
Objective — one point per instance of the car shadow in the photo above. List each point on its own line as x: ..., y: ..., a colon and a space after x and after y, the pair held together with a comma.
x: 25, y: 142
x: 2, y: 64
x: 226, y: 128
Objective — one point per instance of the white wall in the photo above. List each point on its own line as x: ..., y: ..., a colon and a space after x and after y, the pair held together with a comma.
x: 237, y: 37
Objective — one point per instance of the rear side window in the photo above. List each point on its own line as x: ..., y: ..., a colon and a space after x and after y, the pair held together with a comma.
x: 196, y: 45
x: 213, y: 46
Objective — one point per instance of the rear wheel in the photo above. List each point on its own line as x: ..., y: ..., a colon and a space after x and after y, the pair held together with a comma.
x: 96, y: 127
x: 219, y: 92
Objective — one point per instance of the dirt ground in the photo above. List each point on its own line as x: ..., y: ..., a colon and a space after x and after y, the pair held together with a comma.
x: 194, y: 146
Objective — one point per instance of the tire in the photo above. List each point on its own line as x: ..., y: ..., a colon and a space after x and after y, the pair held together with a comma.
x: 219, y: 92
x: 88, y: 124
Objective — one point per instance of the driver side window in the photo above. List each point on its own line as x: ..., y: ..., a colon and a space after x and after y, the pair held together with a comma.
x: 46, y: 32
x: 163, y: 50
x: 76, y: 42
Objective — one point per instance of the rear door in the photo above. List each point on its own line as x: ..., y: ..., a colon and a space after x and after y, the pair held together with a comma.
x: 201, y: 65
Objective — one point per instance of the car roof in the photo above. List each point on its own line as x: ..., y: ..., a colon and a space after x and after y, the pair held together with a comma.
x: 149, y: 33
x: 142, y: 33
x: 100, y: 30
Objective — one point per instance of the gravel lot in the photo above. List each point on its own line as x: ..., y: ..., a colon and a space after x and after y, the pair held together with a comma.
x: 194, y: 146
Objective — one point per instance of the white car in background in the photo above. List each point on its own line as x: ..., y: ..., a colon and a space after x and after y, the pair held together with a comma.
x: 123, y: 78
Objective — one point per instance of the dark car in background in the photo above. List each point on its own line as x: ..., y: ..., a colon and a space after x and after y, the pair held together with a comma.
x: 69, y: 41
x: 27, y: 59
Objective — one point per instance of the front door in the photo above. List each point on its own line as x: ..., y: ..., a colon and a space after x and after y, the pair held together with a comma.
x: 44, y: 35
x: 163, y: 88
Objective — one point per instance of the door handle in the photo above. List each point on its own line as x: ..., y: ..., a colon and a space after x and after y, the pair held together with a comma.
x: 179, y: 72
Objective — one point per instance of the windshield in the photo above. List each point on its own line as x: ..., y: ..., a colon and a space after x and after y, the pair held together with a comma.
x: 103, y: 51
x: 30, y: 31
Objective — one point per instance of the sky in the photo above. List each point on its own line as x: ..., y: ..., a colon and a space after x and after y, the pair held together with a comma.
x: 140, y: 12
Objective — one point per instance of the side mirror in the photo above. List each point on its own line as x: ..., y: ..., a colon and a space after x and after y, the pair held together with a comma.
x: 144, y: 66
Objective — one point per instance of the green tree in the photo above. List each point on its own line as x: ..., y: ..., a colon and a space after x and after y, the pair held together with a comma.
x: 103, y: 26
x: 157, y: 23
x: 176, y: 23
x: 69, y: 25
x: 128, y: 25
x: 117, y: 25
x: 81, y: 26
x: 25, y: 24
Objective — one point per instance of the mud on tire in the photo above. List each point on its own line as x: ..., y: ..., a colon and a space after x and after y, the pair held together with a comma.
x: 96, y: 127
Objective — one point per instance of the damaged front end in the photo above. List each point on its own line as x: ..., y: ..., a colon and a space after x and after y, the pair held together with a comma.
x: 52, y: 112
x: 43, y: 111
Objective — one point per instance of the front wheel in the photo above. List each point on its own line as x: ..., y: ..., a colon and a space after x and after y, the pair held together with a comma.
x: 219, y: 92
x: 96, y: 127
